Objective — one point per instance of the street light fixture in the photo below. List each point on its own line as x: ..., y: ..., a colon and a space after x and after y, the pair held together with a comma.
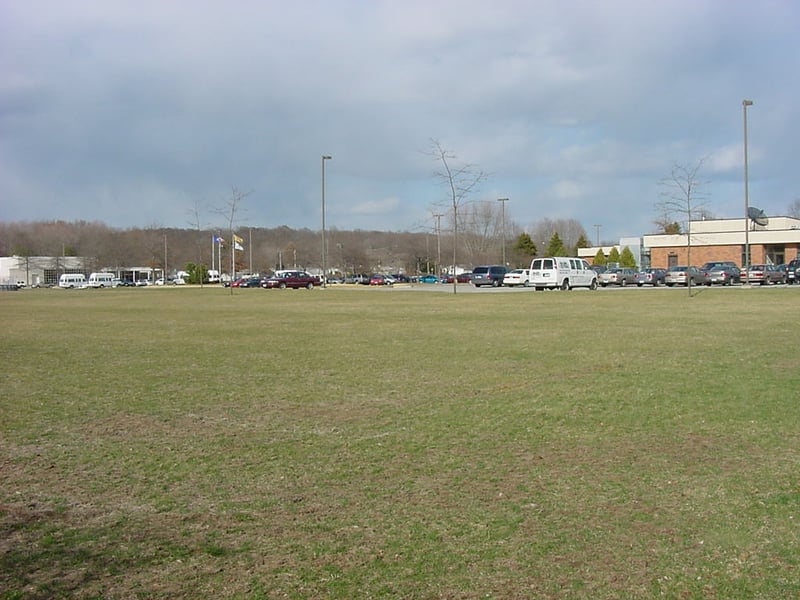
x: 324, y: 266
x: 502, y: 202
x: 745, y: 104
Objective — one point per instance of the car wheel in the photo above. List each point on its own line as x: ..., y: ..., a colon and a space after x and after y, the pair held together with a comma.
x: 624, y: 282
x: 495, y: 283
x: 593, y: 285
x: 309, y: 286
x: 565, y: 285
x: 282, y: 285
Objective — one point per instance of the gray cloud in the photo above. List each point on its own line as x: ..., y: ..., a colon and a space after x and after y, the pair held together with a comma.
x: 130, y: 113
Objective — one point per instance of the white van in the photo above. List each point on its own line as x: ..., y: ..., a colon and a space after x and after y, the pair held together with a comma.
x: 563, y: 273
x: 101, y: 280
x: 72, y: 280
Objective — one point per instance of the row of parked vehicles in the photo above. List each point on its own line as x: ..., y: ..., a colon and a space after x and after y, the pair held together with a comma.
x: 566, y: 273
x: 711, y: 273
x: 560, y: 273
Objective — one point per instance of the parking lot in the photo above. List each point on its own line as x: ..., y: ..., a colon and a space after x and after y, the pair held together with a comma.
x: 471, y: 289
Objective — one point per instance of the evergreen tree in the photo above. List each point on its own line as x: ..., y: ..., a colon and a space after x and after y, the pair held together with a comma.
x: 524, y: 249
x: 613, y: 256
x: 582, y: 243
x: 627, y: 259
x: 556, y: 246
x: 600, y: 258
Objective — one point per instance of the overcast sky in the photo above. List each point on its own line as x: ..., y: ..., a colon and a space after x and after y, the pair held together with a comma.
x: 139, y: 113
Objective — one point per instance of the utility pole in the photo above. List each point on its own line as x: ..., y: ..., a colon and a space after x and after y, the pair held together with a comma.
x: 438, y: 217
x: 502, y: 202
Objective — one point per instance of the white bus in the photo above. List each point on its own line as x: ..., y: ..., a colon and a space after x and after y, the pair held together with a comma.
x: 72, y: 280
x: 101, y: 280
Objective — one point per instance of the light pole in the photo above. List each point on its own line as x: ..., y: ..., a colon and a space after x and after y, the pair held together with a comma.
x: 745, y: 104
x: 324, y: 270
x: 438, y: 217
x: 502, y: 202
x: 597, y: 230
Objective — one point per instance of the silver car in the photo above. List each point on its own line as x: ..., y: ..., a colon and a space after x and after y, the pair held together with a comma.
x: 682, y: 275
x: 620, y: 276
x: 765, y: 274
x: 725, y: 275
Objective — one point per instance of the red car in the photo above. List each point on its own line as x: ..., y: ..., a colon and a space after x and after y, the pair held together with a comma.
x: 379, y: 279
x: 291, y: 279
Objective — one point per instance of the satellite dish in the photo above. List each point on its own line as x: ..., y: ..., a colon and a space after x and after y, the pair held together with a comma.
x: 758, y: 216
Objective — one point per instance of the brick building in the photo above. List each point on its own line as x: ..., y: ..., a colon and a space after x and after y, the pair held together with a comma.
x: 776, y: 242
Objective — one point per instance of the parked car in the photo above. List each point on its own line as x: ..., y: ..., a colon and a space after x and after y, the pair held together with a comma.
x: 517, y: 277
x: 765, y: 274
x: 621, y: 276
x: 250, y: 282
x: 460, y: 278
x: 725, y: 275
x: 654, y: 277
x: 682, y: 275
x: 380, y: 279
x: 290, y: 279
x: 793, y: 271
x: 429, y: 278
x: 489, y: 275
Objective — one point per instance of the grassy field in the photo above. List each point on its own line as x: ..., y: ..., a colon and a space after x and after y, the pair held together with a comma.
x: 193, y: 443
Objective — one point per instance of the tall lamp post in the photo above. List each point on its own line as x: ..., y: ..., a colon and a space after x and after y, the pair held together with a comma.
x: 324, y: 265
x: 438, y: 217
x: 502, y: 202
x: 745, y: 104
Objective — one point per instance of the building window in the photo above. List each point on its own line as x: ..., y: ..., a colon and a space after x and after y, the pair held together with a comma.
x: 775, y: 254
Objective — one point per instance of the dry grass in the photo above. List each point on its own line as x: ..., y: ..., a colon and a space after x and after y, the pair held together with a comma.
x: 387, y: 444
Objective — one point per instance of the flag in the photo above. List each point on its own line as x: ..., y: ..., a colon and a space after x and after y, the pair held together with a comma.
x: 237, y: 242
x: 237, y: 246
x: 218, y: 240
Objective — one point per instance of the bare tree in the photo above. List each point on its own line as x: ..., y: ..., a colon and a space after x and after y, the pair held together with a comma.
x: 569, y: 230
x: 195, y: 224
x: 683, y: 196
x: 794, y: 209
x: 229, y: 211
x: 460, y: 181
x: 481, y: 223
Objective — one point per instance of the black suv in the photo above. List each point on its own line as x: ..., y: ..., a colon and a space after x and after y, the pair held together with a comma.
x: 793, y: 271
x: 490, y: 275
